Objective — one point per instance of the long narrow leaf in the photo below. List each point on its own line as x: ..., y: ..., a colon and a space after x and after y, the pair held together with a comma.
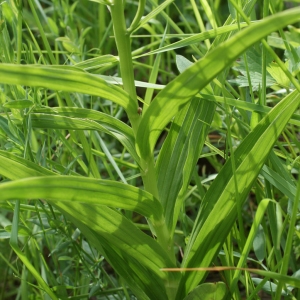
x: 179, y: 155
x: 82, y: 189
x: 16, y: 167
x: 171, y: 99
x: 121, y: 133
x: 196, y: 38
x: 109, y: 228
x: 69, y: 80
x: 108, y: 121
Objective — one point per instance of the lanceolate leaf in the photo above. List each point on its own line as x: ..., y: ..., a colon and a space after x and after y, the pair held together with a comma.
x: 105, y: 120
x: 138, y: 249
x: 172, y: 98
x: 119, y: 130
x: 65, y: 79
x: 218, y: 211
x: 15, y: 167
x: 82, y: 189
x: 179, y: 155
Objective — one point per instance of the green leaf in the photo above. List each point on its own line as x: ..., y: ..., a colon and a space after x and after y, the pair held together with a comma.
x: 12, y: 131
x: 22, y: 230
x: 154, y: 12
x: 196, y: 38
x: 99, y: 62
x: 182, y: 63
x: 105, y: 228
x: 179, y: 91
x: 65, y: 79
x: 109, y: 122
x: 222, y: 197
x: 122, y: 242
x: 279, y: 182
x: 179, y: 155
x: 278, y: 74
x: 259, y: 244
x: 269, y: 287
x: 208, y: 291
x: 81, y: 189
x: 18, y: 104
x: 254, y: 64
x: 15, y: 167
x: 86, y: 120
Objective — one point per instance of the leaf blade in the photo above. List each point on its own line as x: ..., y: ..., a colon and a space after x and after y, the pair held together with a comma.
x: 65, y: 79
x: 172, y: 98
x: 82, y: 189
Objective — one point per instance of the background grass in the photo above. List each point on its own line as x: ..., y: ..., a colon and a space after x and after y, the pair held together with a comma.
x: 201, y: 174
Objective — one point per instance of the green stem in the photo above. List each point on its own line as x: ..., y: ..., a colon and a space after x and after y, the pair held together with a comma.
x: 42, y: 33
x: 19, y: 33
x: 289, y: 242
x: 122, y: 38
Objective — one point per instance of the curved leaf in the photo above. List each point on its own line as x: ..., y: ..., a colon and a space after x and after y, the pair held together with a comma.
x: 82, y: 189
x: 65, y: 79
x: 111, y: 123
x: 15, y: 167
x: 100, y: 224
x: 179, y: 91
x: 118, y: 129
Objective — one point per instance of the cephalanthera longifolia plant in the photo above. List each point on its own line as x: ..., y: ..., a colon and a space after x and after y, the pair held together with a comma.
x: 107, y: 211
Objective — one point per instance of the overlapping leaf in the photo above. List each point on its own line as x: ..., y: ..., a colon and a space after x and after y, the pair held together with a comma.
x: 218, y: 211
x: 179, y: 155
x: 104, y: 226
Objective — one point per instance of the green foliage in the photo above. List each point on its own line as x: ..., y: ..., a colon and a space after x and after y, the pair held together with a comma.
x: 114, y: 169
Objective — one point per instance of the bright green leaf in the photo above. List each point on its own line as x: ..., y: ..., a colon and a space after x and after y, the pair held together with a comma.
x: 174, y: 96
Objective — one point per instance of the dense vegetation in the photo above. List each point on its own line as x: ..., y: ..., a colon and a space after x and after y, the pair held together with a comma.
x: 149, y: 150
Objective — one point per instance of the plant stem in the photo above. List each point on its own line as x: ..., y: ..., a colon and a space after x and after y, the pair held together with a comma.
x: 122, y: 38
